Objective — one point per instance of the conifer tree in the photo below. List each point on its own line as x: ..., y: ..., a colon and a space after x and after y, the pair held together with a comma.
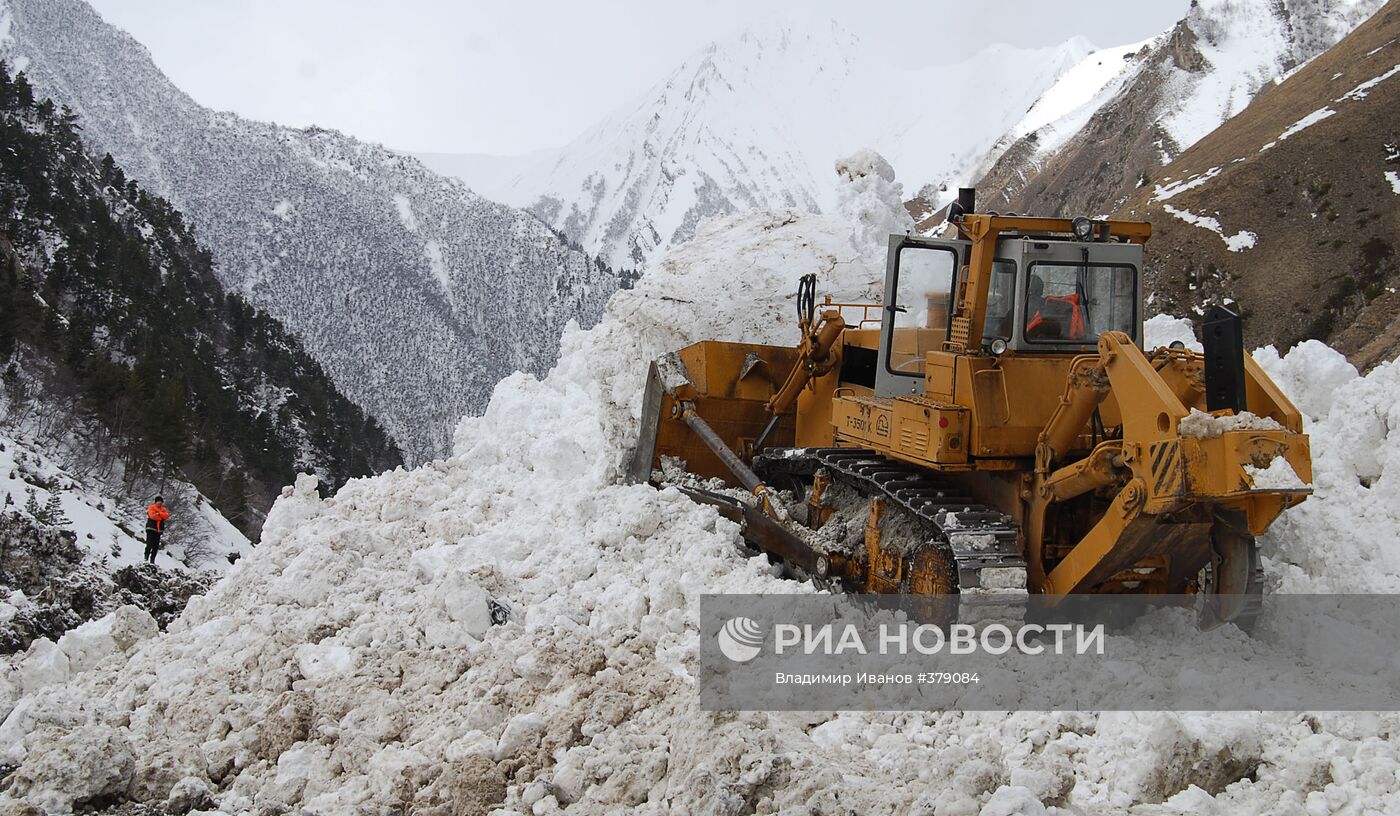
x: 53, y: 512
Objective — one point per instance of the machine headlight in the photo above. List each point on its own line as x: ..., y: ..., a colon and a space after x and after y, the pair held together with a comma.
x: 1082, y: 227
x: 998, y: 346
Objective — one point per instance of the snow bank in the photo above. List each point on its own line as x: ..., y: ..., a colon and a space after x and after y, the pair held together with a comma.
x: 345, y: 666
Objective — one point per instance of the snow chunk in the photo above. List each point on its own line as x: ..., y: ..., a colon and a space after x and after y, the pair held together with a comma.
x: 1200, y: 425
x: 284, y: 210
x: 322, y: 660
x: 519, y: 734
x: 87, y: 645
x: 1394, y: 178
x: 1160, y: 331
x: 88, y: 762
x: 870, y: 198
x: 1279, y: 475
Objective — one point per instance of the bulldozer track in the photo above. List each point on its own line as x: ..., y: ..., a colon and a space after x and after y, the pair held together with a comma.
x: 980, y: 537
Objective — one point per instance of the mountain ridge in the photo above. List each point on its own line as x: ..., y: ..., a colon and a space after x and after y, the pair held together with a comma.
x: 758, y: 120
x: 377, y: 264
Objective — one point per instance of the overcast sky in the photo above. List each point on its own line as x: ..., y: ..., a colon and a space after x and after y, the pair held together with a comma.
x: 512, y: 77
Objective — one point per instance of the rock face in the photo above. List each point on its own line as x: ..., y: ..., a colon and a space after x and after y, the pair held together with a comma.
x: 1180, y: 87
x: 414, y: 293
x: 1291, y: 210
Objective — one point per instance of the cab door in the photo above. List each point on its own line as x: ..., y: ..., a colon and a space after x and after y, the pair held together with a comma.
x: 920, y: 283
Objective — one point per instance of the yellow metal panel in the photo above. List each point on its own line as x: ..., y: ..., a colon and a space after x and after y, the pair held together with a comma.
x: 868, y: 420
x: 938, y: 376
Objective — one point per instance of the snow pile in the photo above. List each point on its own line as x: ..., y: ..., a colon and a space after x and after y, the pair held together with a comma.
x: 348, y: 664
x: 1343, y: 539
x: 1311, y: 375
x: 872, y: 201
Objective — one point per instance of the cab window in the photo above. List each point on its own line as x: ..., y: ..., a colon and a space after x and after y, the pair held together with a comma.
x: 1075, y: 303
x: 923, y: 294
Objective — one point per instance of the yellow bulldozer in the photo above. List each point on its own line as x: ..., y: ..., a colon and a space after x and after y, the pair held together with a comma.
x: 995, y: 422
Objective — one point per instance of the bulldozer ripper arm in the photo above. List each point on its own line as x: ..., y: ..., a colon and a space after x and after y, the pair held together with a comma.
x: 814, y: 359
x: 1099, y: 553
x: 1161, y: 472
x: 1086, y: 387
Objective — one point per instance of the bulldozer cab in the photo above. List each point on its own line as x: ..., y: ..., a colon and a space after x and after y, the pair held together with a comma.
x: 1039, y: 295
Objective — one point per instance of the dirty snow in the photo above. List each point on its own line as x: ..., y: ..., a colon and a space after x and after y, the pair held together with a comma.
x: 1200, y: 425
x: 343, y: 666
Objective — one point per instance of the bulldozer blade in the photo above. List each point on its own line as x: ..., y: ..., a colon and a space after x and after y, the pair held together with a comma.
x: 639, y: 470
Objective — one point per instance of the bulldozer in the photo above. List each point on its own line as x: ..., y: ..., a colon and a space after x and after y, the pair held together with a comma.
x: 995, y: 422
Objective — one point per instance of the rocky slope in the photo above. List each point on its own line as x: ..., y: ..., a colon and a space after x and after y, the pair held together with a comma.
x: 1176, y: 90
x: 382, y: 268
x: 1292, y: 208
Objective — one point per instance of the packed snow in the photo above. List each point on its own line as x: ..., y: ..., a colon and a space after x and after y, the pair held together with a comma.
x: 349, y: 663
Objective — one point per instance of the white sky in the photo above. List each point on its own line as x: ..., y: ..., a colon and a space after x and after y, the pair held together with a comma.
x: 512, y: 77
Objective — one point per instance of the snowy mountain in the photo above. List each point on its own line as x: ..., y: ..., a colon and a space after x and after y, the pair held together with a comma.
x: 1103, y: 130
x: 757, y: 121
x: 414, y: 293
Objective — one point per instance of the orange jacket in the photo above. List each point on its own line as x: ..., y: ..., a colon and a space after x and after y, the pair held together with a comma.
x: 156, y: 515
x: 1076, y: 320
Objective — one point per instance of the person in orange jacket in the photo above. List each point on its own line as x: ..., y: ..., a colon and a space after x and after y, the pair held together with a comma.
x: 156, y: 516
